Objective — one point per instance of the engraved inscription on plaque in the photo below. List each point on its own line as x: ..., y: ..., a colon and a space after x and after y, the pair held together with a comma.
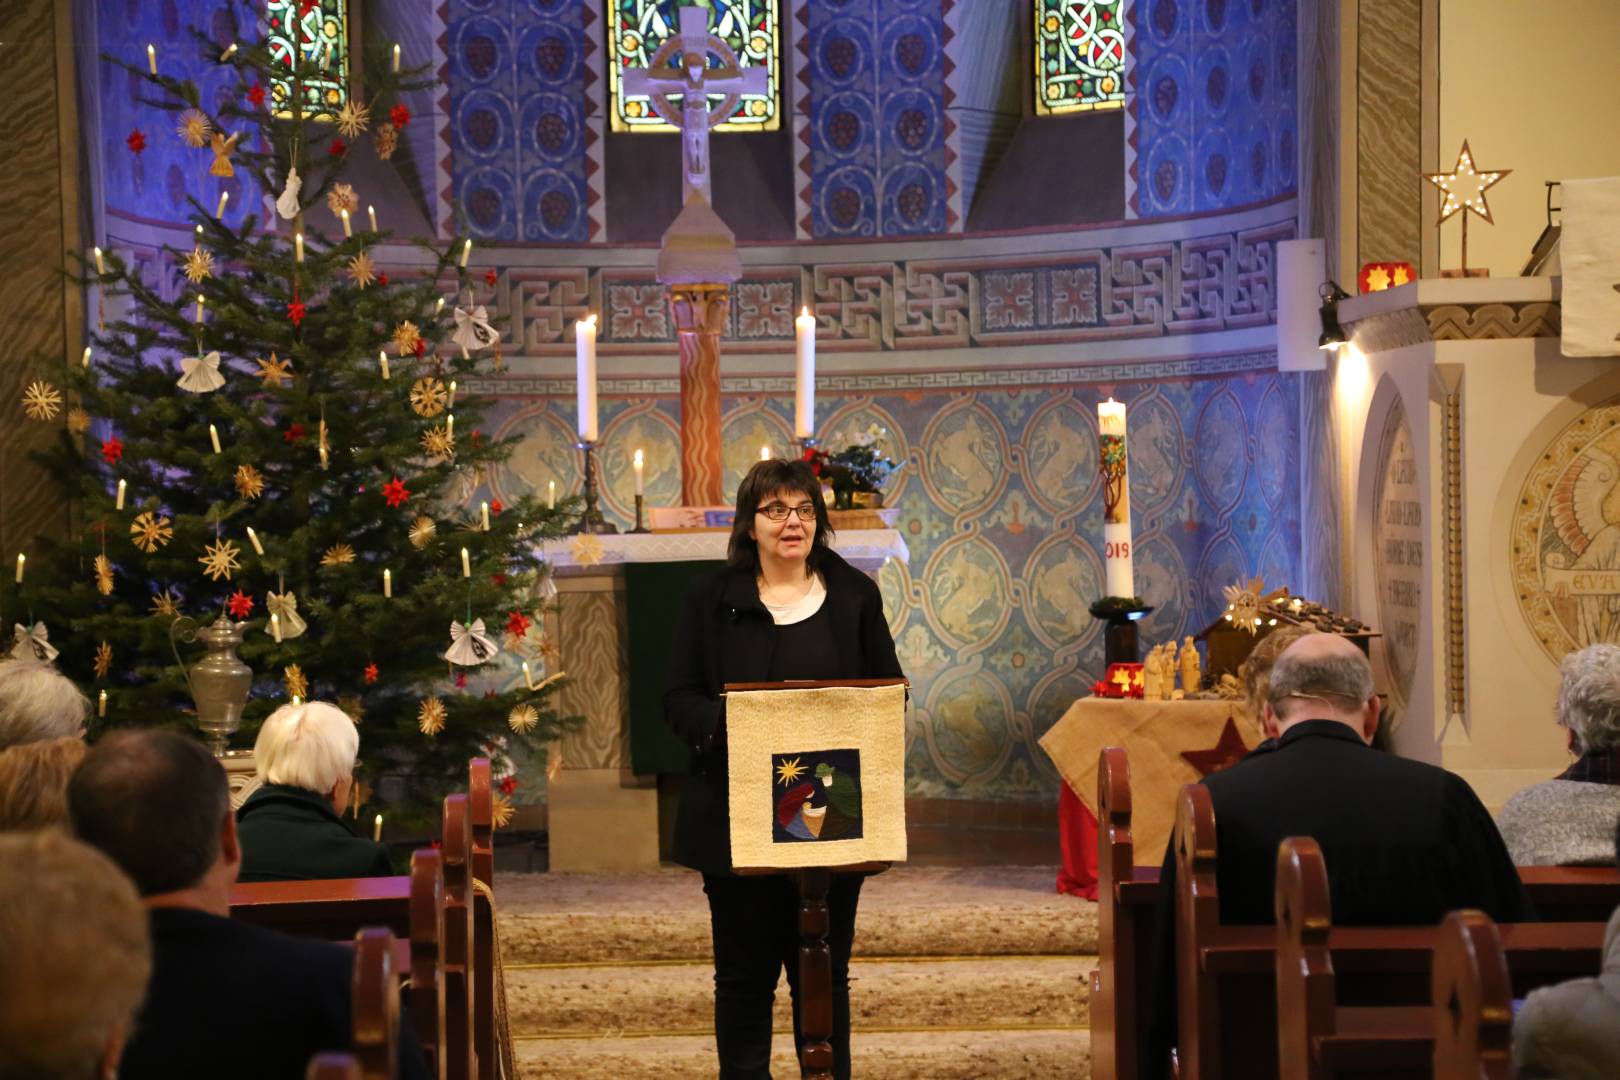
x: 1399, y: 557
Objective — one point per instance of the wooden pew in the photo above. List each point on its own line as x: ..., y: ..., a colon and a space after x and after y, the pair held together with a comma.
x: 1462, y: 1030
x: 460, y: 1051
x: 426, y: 997
x: 333, y: 1066
x: 374, y: 1011
x: 1226, y: 987
x: 481, y: 809
x: 1126, y: 894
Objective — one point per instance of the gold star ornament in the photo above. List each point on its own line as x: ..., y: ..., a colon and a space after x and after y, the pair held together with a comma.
x: 274, y: 371
x: 297, y: 682
x: 428, y: 396
x: 353, y: 118
x: 500, y: 810
x: 104, y: 575
x: 438, y: 442
x: 1464, y: 187
x: 423, y: 529
x: 362, y: 271
x: 430, y: 717
x: 41, y: 401
x: 103, y: 660
x: 406, y: 335
x: 199, y: 265
x: 194, y: 128
x: 249, y: 482
x: 150, y: 532
x: 166, y: 603
x: 522, y: 719
x: 78, y: 421
x: 338, y: 555
x: 219, y: 559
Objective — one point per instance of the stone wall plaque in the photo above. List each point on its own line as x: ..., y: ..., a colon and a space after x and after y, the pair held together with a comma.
x: 1399, y: 541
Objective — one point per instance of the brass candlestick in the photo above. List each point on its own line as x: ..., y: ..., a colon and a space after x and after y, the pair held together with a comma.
x: 591, y: 521
x: 640, y: 528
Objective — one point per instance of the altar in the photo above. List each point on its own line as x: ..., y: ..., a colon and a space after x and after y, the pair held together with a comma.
x: 618, y: 600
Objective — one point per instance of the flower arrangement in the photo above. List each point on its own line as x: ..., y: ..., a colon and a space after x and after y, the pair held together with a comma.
x: 863, y: 465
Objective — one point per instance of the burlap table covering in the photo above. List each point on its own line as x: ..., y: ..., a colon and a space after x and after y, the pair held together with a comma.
x: 1154, y: 734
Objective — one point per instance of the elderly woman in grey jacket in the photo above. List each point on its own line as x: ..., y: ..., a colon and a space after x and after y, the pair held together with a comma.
x: 1569, y: 820
x: 1572, y: 1031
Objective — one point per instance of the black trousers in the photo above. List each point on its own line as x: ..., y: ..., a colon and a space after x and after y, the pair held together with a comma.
x: 755, y: 921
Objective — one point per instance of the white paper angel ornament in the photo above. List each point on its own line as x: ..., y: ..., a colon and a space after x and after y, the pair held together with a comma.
x: 32, y: 643
x: 287, y: 205
x: 285, y: 607
x: 473, y: 331
x: 469, y: 645
x: 200, y: 374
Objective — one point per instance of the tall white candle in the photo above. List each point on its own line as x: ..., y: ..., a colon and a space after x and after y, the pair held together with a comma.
x: 804, y: 399
x: 371, y: 212
x: 101, y: 265
x: 466, y: 252
x: 84, y: 361
x: 382, y: 359
x: 298, y: 246
x: 483, y: 516
x: 230, y: 51
x: 253, y: 538
x: 585, y: 374
x: 1119, y: 578
x: 376, y: 829
x: 347, y: 230
x: 450, y: 425
x: 764, y: 453
x: 438, y: 306
x: 224, y: 197
x: 213, y: 437
x: 637, y: 464
x: 101, y: 705
x: 151, y: 59
x: 22, y: 561
x: 388, y: 583
x: 396, y: 59
x: 466, y: 564
x: 199, y: 307
x: 450, y: 401
x: 275, y: 627
x: 122, y: 484
x: 551, y: 494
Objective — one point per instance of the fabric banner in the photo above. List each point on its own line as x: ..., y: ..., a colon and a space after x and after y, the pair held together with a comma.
x: 1589, y: 250
x: 1155, y: 735
x: 817, y: 776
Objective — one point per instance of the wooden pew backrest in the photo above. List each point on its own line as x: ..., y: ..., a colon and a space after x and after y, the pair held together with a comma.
x: 428, y: 956
x: 1305, y: 983
x: 1198, y: 909
x: 1114, y: 1013
x: 456, y: 851
x: 375, y: 1004
x: 1473, y: 1001
x: 331, y: 909
x: 481, y: 809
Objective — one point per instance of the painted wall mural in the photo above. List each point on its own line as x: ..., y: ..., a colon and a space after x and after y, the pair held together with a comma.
x: 1001, y: 508
x: 1211, y: 118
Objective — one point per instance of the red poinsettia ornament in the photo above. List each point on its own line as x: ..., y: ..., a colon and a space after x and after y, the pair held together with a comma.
x: 399, y: 116
x: 239, y: 604
x: 394, y: 493
x: 111, y: 450
x: 517, y: 624
x: 369, y: 674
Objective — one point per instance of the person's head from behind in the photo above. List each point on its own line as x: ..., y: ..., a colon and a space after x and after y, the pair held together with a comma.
x: 781, y: 517
x: 159, y: 806
x: 1254, y: 674
x: 73, y: 938
x: 1322, y: 677
x: 310, y: 746
x: 33, y: 783
x: 1589, y: 698
x: 38, y: 702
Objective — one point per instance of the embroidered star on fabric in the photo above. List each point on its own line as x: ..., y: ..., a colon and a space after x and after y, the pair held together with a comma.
x: 586, y: 549
x: 1227, y: 751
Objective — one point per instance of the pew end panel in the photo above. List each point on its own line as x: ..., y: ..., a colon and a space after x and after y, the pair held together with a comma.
x: 1473, y: 1001
x: 375, y: 1004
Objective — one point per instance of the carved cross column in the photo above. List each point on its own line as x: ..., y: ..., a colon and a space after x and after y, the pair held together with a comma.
x: 700, y: 316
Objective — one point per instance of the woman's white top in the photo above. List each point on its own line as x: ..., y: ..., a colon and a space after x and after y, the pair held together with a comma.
x: 801, y: 609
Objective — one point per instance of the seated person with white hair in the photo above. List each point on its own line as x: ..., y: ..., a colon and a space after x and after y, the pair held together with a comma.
x: 291, y: 828
x: 38, y: 702
x: 1568, y: 820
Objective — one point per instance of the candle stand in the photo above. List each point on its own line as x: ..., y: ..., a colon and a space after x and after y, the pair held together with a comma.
x: 591, y: 521
x: 1120, y: 616
x: 640, y: 528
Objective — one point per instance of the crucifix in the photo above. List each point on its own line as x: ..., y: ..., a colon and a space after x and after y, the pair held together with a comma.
x: 692, y: 80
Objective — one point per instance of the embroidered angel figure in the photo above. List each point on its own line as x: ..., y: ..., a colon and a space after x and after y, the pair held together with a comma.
x: 223, y: 149
x: 200, y: 374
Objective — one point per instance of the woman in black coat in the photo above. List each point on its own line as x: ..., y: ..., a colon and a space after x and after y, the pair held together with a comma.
x: 785, y: 606
x: 290, y: 828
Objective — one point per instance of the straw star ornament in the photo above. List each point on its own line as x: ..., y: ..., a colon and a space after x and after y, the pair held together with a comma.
x: 166, y: 603
x: 149, y: 532
x: 199, y: 265
x: 220, y: 560
x: 41, y: 401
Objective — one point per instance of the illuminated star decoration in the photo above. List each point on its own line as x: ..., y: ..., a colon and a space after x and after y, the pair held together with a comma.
x: 220, y: 560
x: 239, y: 605
x: 166, y: 603
x: 103, y: 660
x: 249, y: 482
x: 1227, y: 751
x: 150, y: 532
x: 353, y: 118
x: 522, y: 719
x: 430, y: 717
x: 274, y: 371
x: 789, y: 771
x: 41, y: 401
x: 338, y: 555
x: 297, y: 683
x: 136, y: 141
x: 1377, y: 279
x: 362, y: 271
x: 194, y: 128
x: 1464, y: 187
x: 369, y: 674
x: 104, y: 575
x: 394, y: 493
x: 111, y: 450
x: 199, y: 265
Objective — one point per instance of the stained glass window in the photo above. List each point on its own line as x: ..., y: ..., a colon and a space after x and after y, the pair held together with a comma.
x: 1079, y: 55
x: 637, y: 28
x: 317, y: 30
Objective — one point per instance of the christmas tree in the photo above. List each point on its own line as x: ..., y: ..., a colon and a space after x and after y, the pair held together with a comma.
x: 286, y: 445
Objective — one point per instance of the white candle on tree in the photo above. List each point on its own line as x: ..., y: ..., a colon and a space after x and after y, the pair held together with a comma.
x: 804, y: 400
x: 101, y: 263
x: 122, y: 485
x: 347, y: 229
x: 22, y: 561
x: 466, y: 564
x: 585, y: 375
x: 396, y: 59
x: 551, y: 494
x: 388, y: 584
x: 637, y: 464
x: 1119, y: 578
x: 151, y: 59
x: 101, y: 705
x: 224, y: 197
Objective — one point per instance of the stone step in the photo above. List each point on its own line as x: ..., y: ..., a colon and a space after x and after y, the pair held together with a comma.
x: 907, y: 911
x: 998, y: 1054
x: 1021, y: 991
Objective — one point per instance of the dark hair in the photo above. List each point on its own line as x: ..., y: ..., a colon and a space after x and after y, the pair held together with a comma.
x: 153, y: 801
x: 765, y: 479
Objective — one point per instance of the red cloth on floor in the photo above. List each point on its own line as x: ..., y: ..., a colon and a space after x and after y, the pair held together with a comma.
x: 1077, y: 835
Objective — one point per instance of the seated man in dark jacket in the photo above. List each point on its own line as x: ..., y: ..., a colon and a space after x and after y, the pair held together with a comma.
x: 291, y: 828
x: 1404, y: 842
x: 226, y: 998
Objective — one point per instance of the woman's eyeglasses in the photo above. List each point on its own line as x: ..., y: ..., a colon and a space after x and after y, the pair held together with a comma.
x: 779, y: 511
